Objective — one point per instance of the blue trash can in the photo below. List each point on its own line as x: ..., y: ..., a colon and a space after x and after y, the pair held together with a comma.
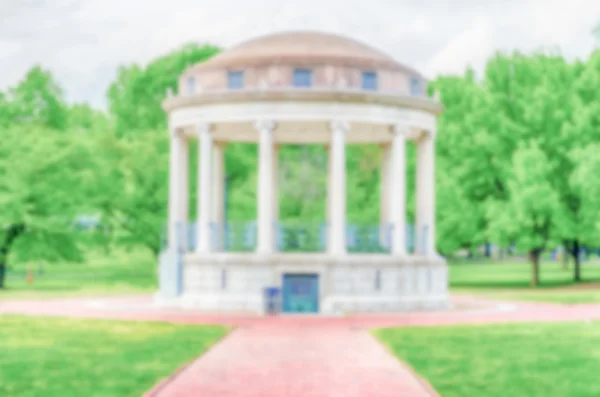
x: 272, y: 300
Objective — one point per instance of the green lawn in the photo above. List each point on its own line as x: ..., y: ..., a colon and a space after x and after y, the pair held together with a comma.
x: 522, y: 360
x: 550, y: 295
x: 510, y: 281
x: 63, y: 357
x: 115, y: 272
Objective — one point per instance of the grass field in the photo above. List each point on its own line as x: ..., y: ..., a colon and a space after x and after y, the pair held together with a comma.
x: 116, y: 272
x: 516, y: 360
x: 511, y: 281
x: 63, y: 358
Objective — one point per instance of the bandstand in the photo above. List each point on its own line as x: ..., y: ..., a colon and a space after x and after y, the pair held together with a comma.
x: 301, y: 88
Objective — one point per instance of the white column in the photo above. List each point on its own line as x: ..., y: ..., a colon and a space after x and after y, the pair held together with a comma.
x: 425, y: 195
x: 275, y: 172
x: 203, y: 234
x: 329, y: 193
x: 398, y: 190
x: 337, y: 245
x: 265, y: 220
x: 218, y: 192
x: 176, y: 190
x: 184, y: 207
x: 384, y: 193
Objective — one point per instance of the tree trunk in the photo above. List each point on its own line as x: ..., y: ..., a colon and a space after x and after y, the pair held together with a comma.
x: 576, y: 261
x: 534, y: 256
x: 470, y: 252
x: 488, y: 250
x: 2, y: 274
x: 565, y: 255
x: 565, y: 260
x: 12, y: 233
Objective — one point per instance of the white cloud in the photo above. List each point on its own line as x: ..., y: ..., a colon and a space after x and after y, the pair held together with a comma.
x: 420, y: 24
x: 83, y: 41
x: 471, y: 47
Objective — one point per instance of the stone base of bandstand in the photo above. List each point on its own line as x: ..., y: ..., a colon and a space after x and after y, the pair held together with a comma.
x: 352, y: 283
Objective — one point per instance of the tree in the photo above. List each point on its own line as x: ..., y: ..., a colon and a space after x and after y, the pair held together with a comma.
x: 581, y: 129
x: 136, y: 95
x: 38, y: 99
x: 459, y: 219
x: 82, y: 117
x: 46, y: 179
x: 473, y: 155
x: 528, y: 215
x: 131, y: 188
x: 585, y: 184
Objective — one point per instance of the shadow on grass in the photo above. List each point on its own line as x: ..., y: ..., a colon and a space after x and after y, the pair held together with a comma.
x: 525, y: 284
x: 40, y: 288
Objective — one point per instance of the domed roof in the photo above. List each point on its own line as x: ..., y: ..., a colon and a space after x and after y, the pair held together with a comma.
x: 302, y: 47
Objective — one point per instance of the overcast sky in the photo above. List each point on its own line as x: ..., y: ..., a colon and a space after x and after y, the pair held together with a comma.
x: 84, y: 41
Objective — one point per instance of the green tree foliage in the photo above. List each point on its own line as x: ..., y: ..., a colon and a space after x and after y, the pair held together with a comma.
x: 585, y: 182
x: 135, y: 96
x: 38, y: 99
x: 46, y: 179
x: 82, y: 117
x: 537, y: 99
x: 468, y: 168
x: 577, y: 131
x: 527, y: 216
x: 131, y: 188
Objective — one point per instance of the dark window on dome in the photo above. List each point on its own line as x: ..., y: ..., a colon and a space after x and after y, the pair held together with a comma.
x: 415, y: 86
x: 302, y: 78
x: 369, y: 81
x: 191, y: 85
x: 235, y: 80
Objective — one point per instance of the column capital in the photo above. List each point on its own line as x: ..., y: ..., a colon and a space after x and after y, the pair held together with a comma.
x: 202, y: 128
x: 428, y: 134
x: 262, y: 125
x: 175, y: 132
x: 339, y: 125
x: 400, y: 129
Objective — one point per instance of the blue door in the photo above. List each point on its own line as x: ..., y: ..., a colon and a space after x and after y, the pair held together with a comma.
x: 300, y: 293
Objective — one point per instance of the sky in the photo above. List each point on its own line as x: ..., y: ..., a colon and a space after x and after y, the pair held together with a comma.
x: 83, y: 42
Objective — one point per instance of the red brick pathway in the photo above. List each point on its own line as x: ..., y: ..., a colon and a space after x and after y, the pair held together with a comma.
x: 299, y: 356
x: 308, y: 361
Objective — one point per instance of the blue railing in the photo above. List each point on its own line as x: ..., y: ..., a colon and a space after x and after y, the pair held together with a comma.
x: 291, y: 237
x: 301, y: 237
x: 234, y: 236
x: 368, y: 238
x: 230, y: 237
